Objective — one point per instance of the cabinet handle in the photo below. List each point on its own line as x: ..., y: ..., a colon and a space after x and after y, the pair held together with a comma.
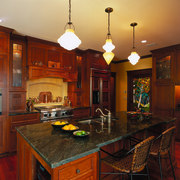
x: 77, y: 171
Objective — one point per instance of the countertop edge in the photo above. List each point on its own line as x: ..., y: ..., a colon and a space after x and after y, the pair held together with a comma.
x: 75, y: 157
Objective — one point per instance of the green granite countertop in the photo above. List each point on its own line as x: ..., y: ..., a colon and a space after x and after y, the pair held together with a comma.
x: 57, y: 147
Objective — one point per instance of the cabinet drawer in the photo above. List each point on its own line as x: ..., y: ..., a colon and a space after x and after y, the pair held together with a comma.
x: 14, y: 125
x: 25, y: 117
x: 77, y: 170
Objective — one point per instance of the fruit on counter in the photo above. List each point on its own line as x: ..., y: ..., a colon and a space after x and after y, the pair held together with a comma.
x: 83, y: 132
x: 60, y: 123
x: 69, y: 127
x: 80, y: 133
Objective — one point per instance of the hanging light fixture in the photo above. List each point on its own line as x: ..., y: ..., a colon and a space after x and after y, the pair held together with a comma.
x: 134, y: 57
x: 108, y: 47
x: 69, y: 40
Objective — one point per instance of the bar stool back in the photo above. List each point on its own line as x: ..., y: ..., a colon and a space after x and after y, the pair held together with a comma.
x: 161, y: 147
x: 132, y: 162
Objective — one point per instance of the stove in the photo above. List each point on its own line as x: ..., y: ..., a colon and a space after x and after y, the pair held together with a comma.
x: 49, y: 113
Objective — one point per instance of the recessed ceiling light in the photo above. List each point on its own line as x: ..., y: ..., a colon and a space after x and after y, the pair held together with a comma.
x: 144, y: 41
x: 1, y: 20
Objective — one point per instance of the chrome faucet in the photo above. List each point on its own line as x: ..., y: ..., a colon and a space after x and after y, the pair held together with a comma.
x: 108, y: 115
x: 101, y: 112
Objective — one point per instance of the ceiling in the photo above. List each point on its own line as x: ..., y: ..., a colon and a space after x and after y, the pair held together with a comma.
x: 158, y: 22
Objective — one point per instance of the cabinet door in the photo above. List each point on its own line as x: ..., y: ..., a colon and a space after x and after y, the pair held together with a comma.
x: 18, y: 66
x: 163, y: 66
x: 177, y: 66
x: 84, y: 168
x: 105, y: 93
x: 96, y: 91
x: 17, y: 101
x: 2, y: 134
x: 37, y: 56
x: 20, y: 120
x: 3, y: 72
x: 54, y: 59
x: 17, y: 74
x: 68, y: 61
x: 4, y: 39
x: 163, y: 99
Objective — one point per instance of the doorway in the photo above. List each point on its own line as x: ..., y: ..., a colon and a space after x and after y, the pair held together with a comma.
x: 139, y: 90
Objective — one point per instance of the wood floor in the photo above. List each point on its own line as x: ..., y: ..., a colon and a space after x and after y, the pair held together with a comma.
x: 8, y: 166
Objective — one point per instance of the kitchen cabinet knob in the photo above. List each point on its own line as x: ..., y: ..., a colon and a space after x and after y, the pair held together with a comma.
x: 77, y: 171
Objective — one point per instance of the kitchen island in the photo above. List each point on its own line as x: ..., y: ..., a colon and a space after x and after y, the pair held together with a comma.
x: 65, y: 156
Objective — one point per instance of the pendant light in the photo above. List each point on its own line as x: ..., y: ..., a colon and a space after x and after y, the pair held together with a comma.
x: 134, y: 57
x: 69, y: 40
x: 108, y: 47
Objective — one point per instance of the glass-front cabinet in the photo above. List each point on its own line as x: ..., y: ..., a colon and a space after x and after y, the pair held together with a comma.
x: 163, y: 67
x: 17, y: 74
x: 17, y: 65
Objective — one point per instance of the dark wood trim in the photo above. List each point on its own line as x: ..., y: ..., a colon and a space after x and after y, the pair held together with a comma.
x: 126, y: 60
x: 17, y: 37
x: 94, y: 51
x: 5, y: 29
x: 49, y: 43
x: 137, y: 74
x: 165, y: 49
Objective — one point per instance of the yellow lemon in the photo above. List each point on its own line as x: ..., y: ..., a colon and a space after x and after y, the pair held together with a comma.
x: 57, y: 123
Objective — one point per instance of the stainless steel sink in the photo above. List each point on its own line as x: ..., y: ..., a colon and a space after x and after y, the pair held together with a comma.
x: 94, y: 120
x: 90, y: 121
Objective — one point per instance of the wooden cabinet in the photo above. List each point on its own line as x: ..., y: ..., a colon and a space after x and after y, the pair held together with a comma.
x: 37, y: 56
x: 163, y: 99
x: 93, y: 81
x: 20, y: 120
x: 3, y: 135
x: 47, y: 59
x: 4, y: 85
x: 17, y: 74
x: 165, y: 76
x: 177, y: 124
x: 96, y: 59
x: 3, y: 70
x: 17, y: 101
x: 100, y: 92
x: 83, y: 168
x: 68, y: 61
x: 177, y: 65
x: 81, y: 112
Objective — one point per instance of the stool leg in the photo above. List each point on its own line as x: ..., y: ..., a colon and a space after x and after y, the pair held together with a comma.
x: 171, y: 165
x: 99, y: 165
x: 131, y: 176
x: 159, y: 158
x: 147, y: 169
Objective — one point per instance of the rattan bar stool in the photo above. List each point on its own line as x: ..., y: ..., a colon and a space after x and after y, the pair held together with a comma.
x: 161, y: 148
x: 130, y: 163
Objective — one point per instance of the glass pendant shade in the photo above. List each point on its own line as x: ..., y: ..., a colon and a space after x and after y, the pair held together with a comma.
x: 108, y: 47
x: 108, y: 56
x: 134, y: 58
x: 69, y: 40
